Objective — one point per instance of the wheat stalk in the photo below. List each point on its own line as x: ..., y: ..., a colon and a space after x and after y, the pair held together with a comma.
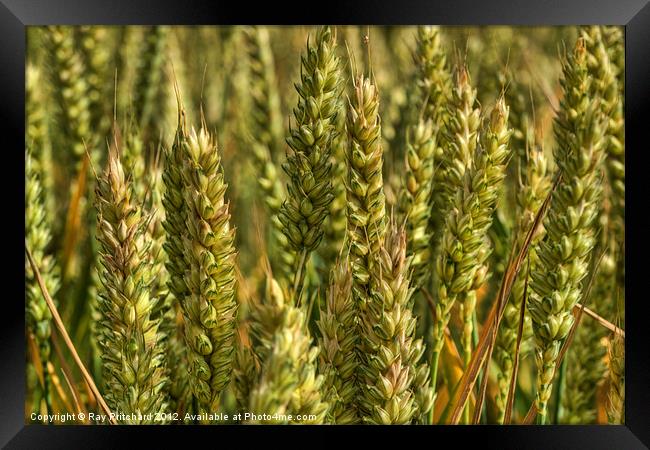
x: 461, y: 263
x: 487, y: 176
x: 132, y: 345
x: 148, y: 79
x: 209, y: 304
x: 394, y: 383
x: 265, y: 140
x: 309, y: 166
x: 564, y: 251
x: 37, y: 235
x: 421, y: 143
x: 70, y: 91
x: 459, y: 140
x: 366, y: 210
x: 91, y: 44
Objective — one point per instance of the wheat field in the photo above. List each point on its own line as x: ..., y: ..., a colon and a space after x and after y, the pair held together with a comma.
x: 325, y: 225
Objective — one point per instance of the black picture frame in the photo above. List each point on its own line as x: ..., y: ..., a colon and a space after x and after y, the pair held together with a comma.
x: 15, y: 15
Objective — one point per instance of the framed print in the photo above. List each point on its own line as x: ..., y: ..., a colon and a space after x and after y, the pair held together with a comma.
x: 355, y: 215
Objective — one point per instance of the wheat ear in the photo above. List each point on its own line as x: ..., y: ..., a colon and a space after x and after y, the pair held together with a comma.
x: 91, y: 44
x: 564, y: 252
x: 37, y: 235
x: 288, y: 383
x: 209, y: 304
x: 366, y: 208
x: 616, y: 401
x: 266, y: 142
x: 461, y: 264
x: 339, y: 361
x: 132, y: 344
x: 459, y: 139
x: 70, y: 92
x: 37, y: 133
x: 147, y: 98
x: 606, y: 87
x: 534, y: 187
x: 308, y: 165
x: 334, y: 226
x: 433, y: 83
x: 394, y: 383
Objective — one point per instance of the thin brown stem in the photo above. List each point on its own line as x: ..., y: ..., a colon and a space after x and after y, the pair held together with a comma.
x: 77, y: 404
x: 601, y: 320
